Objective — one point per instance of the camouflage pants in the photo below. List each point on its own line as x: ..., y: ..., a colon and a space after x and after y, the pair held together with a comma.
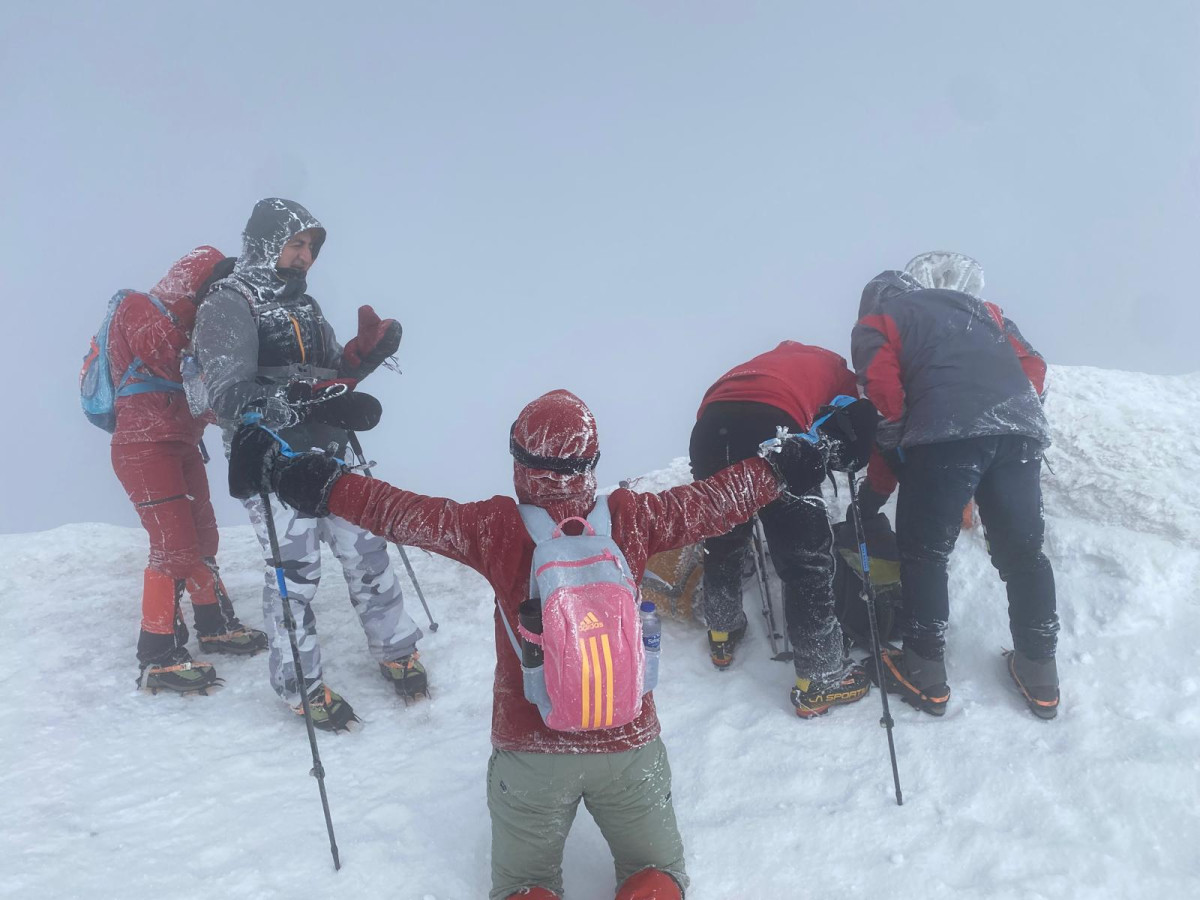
x: 533, y: 798
x: 374, y: 592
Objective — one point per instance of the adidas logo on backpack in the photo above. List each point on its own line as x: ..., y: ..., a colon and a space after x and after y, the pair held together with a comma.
x: 593, y: 671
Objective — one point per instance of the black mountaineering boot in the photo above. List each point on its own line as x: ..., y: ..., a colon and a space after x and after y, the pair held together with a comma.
x: 1037, y: 680
x: 919, y: 682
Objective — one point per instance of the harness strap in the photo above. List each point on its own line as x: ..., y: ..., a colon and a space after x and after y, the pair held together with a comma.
x: 512, y: 638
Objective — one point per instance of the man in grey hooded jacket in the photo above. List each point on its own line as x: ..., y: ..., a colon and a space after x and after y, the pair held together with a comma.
x: 960, y: 392
x: 263, y: 346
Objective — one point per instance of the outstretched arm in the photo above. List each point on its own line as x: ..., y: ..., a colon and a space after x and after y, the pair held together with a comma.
x: 436, y: 524
x: 702, y: 509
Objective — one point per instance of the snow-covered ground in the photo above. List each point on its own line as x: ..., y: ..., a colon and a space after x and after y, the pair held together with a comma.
x: 109, y: 792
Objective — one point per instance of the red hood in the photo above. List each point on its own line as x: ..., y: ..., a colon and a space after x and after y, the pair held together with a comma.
x: 186, y: 275
x: 557, y: 424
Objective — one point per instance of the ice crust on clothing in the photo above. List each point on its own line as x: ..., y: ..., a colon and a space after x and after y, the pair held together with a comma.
x: 998, y: 805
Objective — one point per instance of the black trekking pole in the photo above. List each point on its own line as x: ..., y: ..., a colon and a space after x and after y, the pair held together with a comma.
x: 356, y: 446
x: 318, y: 771
x: 868, y: 596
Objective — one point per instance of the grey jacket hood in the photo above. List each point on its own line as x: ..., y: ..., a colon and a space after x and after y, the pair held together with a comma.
x: 887, y: 284
x: 271, y: 225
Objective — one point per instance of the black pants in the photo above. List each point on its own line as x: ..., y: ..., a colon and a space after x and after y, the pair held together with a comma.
x: 1003, y: 474
x: 798, y: 536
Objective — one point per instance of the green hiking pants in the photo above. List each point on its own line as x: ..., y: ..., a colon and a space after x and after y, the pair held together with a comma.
x: 532, y: 798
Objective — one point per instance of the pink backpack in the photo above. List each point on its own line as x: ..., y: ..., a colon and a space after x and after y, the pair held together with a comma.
x: 593, y: 661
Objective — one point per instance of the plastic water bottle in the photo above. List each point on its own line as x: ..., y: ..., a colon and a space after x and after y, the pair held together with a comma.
x: 652, y: 641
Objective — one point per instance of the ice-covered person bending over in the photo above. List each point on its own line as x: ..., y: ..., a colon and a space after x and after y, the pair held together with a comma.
x: 537, y: 774
x: 262, y: 344
x: 960, y: 391
x: 789, y: 385
x: 156, y: 456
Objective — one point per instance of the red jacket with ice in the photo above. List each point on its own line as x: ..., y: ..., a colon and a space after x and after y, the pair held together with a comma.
x: 490, y: 537
x: 797, y: 378
x: 139, y: 329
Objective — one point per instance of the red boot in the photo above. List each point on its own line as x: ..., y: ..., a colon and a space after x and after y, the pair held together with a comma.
x: 649, y: 884
x: 533, y: 893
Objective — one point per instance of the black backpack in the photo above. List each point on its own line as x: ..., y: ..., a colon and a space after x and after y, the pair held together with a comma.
x: 885, y: 578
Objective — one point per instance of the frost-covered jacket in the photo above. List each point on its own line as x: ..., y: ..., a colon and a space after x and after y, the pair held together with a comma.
x: 797, y: 378
x: 139, y: 329
x: 490, y: 537
x: 257, y: 330
x: 943, y: 365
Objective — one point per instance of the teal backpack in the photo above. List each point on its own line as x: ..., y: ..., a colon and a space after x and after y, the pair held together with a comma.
x: 98, y: 392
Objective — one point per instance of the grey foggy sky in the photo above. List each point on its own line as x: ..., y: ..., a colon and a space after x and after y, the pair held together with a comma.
x: 623, y: 199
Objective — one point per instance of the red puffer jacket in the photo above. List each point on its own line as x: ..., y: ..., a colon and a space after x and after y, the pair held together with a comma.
x: 490, y: 537
x: 139, y: 329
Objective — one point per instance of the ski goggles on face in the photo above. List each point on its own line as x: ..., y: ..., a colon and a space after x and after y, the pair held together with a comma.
x: 568, y: 465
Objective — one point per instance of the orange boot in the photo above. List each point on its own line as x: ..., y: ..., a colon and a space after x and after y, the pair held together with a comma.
x: 649, y: 884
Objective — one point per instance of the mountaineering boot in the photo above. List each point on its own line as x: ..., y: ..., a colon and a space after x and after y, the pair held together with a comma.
x: 329, y: 711
x: 810, y: 699
x: 649, y: 884
x: 407, y: 676
x: 533, y: 893
x: 220, y: 632
x: 237, y: 640
x: 176, y: 671
x: 919, y: 682
x: 721, y: 644
x: 1037, y: 679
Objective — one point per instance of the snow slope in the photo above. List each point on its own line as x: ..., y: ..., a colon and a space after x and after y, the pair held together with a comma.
x: 108, y: 792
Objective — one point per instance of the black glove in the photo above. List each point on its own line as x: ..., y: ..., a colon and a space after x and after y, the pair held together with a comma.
x: 257, y: 465
x: 305, y: 482
x: 851, y: 433
x: 252, y: 456
x: 353, y: 410
x: 799, y: 464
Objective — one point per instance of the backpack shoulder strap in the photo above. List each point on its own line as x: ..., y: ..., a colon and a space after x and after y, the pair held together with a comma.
x: 512, y: 638
x: 600, y: 518
x: 160, y: 306
x: 537, y: 522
